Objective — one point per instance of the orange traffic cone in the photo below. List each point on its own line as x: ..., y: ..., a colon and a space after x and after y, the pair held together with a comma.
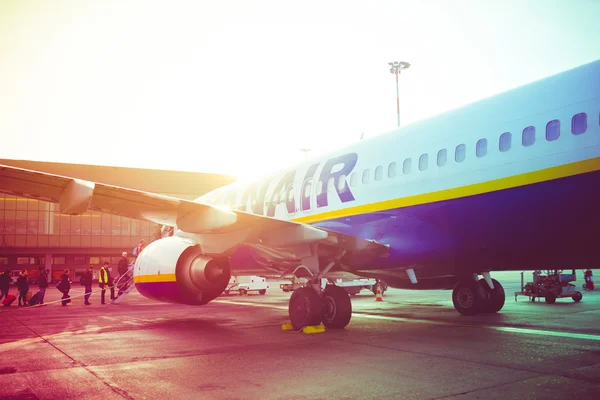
x: 378, y: 294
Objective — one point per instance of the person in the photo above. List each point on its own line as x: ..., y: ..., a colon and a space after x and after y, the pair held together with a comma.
x: 103, y: 281
x: 23, y: 287
x: 123, y: 264
x: 87, y: 280
x: 43, y: 284
x: 64, y: 286
x: 4, y: 283
x: 139, y: 248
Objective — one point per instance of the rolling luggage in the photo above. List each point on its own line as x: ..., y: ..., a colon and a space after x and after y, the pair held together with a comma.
x: 28, y: 295
x: 8, y: 300
x: 35, y: 299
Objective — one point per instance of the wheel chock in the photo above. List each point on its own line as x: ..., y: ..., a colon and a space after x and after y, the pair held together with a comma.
x: 314, y: 329
x: 287, y: 327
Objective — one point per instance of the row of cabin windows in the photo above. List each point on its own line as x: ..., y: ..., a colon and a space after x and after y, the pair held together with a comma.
x: 578, y: 126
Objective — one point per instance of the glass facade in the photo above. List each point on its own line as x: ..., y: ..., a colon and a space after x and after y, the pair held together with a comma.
x: 33, y: 223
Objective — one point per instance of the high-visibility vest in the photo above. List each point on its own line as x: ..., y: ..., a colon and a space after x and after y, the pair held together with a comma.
x: 102, y: 276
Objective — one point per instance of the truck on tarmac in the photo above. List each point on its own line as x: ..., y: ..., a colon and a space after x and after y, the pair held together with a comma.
x: 352, y: 286
x: 246, y: 284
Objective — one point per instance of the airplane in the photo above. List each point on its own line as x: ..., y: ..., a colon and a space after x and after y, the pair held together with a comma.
x: 511, y: 182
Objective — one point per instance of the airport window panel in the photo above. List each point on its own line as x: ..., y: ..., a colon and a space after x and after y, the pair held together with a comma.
x: 96, y: 224
x: 32, y: 226
x: 145, y: 228
x: 505, y: 141
x: 42, y: 241
x: 105, y: 224
x: 528, y: 136
x: 21, y: 203
x: 460, y: 153
x: 64, y: 241
x: 8, y: 240
x: 378, y: 173
x: 94, y: 260
x: 365, y: 176
x: 353, y: 179
x: 75, y: 224
x: 20, y: 240
x: 86, y: 224
x: 442, y: 156
x: 10, y: 203
x: 32, y: 204
x: 423, y: 162
x: 406, y: 166
x: 53, y: 241
x: 116, y: 224
x: 105, y: 241
x: 21, y: 222
x: 125, y: 226
x: 32, y: 241
x: 115, y: 241
x: 552, y: 130
x: 481, y: 148
x: 65, y: 224
x: 96, y: 241
x: 58, y: 261
x: 392, y: 170
x: 579, y: 123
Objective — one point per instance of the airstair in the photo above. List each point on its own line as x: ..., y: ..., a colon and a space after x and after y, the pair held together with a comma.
x: 124, y: 284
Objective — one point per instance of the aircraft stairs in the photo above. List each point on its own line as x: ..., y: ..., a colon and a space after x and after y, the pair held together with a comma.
x: 124, y: 283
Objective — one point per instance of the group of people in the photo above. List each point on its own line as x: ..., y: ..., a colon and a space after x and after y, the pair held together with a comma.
x: 105, y: 281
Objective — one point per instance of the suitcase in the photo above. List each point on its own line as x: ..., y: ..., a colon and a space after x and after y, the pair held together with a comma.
x: 34, y: 300
x: 8, y: 300
x: 28, y: 295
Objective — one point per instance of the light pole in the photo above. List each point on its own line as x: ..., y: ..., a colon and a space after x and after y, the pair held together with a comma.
x: 395, y: 68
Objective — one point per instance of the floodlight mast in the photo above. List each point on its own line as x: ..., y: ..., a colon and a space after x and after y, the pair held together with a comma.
x: 395, y: 68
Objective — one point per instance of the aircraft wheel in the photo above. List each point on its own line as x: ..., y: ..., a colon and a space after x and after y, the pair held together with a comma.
x: 305, y: 308
x: 262, y: 291
x: 468, y: 297
x: 577, y: 297
x: 337, y: 307
x: 550, y: 298
x: 494, y: 297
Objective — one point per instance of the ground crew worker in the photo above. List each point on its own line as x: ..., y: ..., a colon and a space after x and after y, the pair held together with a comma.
x: 103, y: 282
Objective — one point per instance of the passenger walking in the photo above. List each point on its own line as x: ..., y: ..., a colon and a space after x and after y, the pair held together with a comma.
x: 103, y: 279
x: 64, y: 286
x: 87, y: 280
x: 139, y: 248
x: 4, y: 283
x: 43, y: 284
x: 23, y: 287
x: 123, y: 264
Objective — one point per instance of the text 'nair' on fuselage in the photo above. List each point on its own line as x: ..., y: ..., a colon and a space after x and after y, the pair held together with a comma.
x: 262, y: 197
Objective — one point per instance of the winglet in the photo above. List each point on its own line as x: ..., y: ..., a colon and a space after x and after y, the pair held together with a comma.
x: 75, y: 198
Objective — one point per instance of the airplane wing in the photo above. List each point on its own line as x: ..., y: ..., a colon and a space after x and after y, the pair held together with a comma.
x: 276, y: 238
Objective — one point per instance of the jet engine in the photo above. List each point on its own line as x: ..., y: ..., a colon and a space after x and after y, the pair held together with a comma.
x: 175, y: 270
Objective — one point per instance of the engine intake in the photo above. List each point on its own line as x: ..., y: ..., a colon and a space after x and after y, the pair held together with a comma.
x: 202, y: 277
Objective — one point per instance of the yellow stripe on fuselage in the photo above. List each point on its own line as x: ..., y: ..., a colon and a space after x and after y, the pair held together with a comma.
x: 155, y: 278
x: 561, y: 171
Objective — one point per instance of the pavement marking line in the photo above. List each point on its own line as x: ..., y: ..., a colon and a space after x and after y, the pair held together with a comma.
x: 524, y: 331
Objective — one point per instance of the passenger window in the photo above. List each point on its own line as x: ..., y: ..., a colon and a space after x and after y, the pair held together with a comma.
x: 459, y: 154
x: 423, y: 161
x: 378, y: 173
x: 353, y: 179
x: 579, y: 123
x: 307, y: 190
x: 392, y: 170
x: 365, y: 177
x: 406, y: 166
x: 552, y: 130
x: 528, y: 136
x: 330, y: 185
x: 442, y: 157
x: 341, y: 183
x: 505, y: 141
x: 481, y: 148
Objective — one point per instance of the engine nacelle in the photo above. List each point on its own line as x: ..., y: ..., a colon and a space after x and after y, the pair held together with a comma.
x: 174, y: 270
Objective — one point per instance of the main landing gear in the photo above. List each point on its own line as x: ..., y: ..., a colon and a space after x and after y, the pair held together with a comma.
x: 311, y: 306
x: 473, y: 296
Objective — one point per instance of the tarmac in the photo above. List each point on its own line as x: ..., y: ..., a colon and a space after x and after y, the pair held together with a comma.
x: 413, y: 345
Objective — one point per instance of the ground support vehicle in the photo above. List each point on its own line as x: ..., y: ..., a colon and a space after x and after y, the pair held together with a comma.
x: 245, y: 284
x: 588, y: 276
x: 351, y: 287
x: 550, y: 285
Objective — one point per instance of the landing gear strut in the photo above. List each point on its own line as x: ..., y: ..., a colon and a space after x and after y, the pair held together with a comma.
x: 471, y: 296
x: 311, y: 306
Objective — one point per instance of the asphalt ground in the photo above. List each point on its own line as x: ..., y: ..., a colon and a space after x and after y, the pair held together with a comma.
x: 413, y: 345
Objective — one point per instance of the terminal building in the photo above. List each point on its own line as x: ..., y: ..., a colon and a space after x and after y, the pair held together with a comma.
x: 36, y: 234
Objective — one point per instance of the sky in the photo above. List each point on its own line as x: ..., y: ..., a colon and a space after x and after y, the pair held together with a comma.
x: 239, y: 87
